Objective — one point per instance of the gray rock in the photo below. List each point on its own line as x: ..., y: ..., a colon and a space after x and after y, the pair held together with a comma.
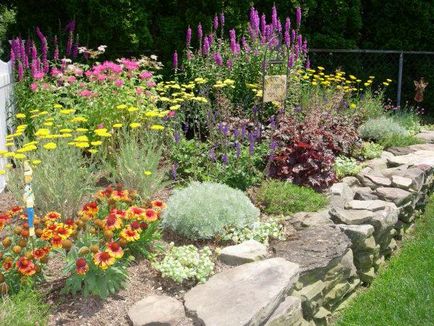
x: 370, y: 205
x: 351, y: 181
x: 343, y: 190
x: 368, y: 277
x: 396, y: 195
x: 289, y: 312
x: 364, y: 193
x: 426, y: 136
x: 401, y: 182
x: 322, y: 316
x: 418, y: 157
x: 245, y: 252
x: 311, y: 297
x: 398, y: 151
x: 306, y: 219
x: 357, y: 233
x: 157, y: 310
x: 316, y: 249
x: 351, y: 216
x: 348, y: 262
x: 244, y: 295
x: 379, y: 180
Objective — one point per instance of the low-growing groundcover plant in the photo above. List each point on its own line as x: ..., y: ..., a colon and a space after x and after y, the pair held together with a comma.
x: 369, y: 150
x: 186, y: 263
x: 346, y: 166
x: 261, y: 231
x: 205, y: 210
x: 282, y: 197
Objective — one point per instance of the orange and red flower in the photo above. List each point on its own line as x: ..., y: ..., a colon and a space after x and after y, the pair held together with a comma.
x: 25, y: 266
x: 40, y: 253
x: 51, y: 217
x: 158, y: 205
x: 103, y: 259
x: 7, y: 264
x: 115, y: 250
x: 129, y: 234
x: 135, y: 212
x: 120, y: 195
x: 56, y: 241
x: 81, y: 266
x: 151, y: 215
x: 118, y: 213
x: 90, y: 209
x: 15, y: 210
x: 112, y: 222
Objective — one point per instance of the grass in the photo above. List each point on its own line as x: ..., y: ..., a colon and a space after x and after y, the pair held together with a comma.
x: 23, y: 309
x: 279, y: 197
x: 398, y: 141
x: 403, y: 293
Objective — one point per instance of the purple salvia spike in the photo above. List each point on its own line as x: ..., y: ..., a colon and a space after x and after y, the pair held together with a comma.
x: 210, y: 39
x: 274, y: 18
x: 216, y: 22
x: 225, y: 159
x: 22, y: 50
x: 251, y: 144
x: 307, y: 63
x: 291, y: 60
x: 12, y: 57
x: 236, y: 133
x: 298, y: 16
x: 218, y: 59
x: 237, y: 149
x: 206, y: 46
x: 175, y: 60
x: 287, y: 24
x: 20, y: 71
x: 293, y: 36
x: 287, y: 39
x: 245, y: 45
x: 304, y: 48
x: 199, y: 31
x: 296, y: 52
x: 188, y: 37
x: 243, y: 132
x: 229, y: 64
x: 254, y: 21
x: 263, y: 25
x: 300, y: 41
x: 222, y: 19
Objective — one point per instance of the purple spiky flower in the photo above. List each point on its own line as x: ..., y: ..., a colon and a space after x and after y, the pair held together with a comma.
x: 298, y: 16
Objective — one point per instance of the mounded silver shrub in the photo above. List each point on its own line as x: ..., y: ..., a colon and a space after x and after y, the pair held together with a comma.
x: 380, y: 128
x: 205, y: 210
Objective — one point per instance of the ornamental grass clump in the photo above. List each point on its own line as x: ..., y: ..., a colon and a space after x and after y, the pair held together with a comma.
x: 206, y: 210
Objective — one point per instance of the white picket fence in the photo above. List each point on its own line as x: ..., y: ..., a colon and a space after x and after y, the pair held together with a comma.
x: 6, y: 100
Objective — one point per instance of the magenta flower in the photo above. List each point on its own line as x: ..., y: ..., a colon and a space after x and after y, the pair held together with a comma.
x: 287, y: 39
x: 298, y: 16
x: 34, y: 87
x: 222, y: 20
x: 229, y: 64
x: 188, y: 36
x: 218, y: 59
x: 287, y: 24
x: 274, y: 19
x: 20, y: 70
x: 71, y: 79
x: 145, y: 75
x: 151, y: 84
x: 206, y: 46
x: 216, y: 22
x: 119, y: 82
x: 291, y: 60
x: 175, y: 60
x: 254, y: 20
x: 199, y: 31
x: 86, y: 93
x: 38, y: 75
x: 130, y: 64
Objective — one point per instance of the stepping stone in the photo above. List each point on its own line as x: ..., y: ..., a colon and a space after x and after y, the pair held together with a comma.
x: 351, y: 216
x: 244, y: 295
x: 395, y: 195
x: 245, y: 252
x: 157, y: 310
x: 370, y: 205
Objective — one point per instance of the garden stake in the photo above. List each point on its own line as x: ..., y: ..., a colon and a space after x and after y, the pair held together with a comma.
x: 29, y: 197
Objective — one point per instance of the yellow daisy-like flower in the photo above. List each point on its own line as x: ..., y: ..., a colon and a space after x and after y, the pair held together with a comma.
x: 134, y: 125
x: 93, y: 151
x: 133, y: 109
x: 82, y: 144
x: 48, y: 124
x: 79, y: 119
x: 57, y: 106
x: 50, y: 146
x: 121, y: 106
x: 2, y: 172
x: 147, y: 173
x: 36, y: 162
x: 9, y: 144
x: 157, y: 127
x: 9, y: 166
x: 67, y: 111
x: 353, y: 106
x: 81, y: 139
x: 42, y: 132
x: 20, y: 116
x: 96, y: 143
x: 117, y: 125
x: 20, y: 156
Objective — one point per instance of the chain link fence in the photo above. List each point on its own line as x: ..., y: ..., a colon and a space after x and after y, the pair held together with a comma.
x: 403, y: 67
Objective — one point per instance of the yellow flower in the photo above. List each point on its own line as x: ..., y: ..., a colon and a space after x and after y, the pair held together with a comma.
x: 121, y: 107
x: 96, y: 143
x: 9, y: 154
x: 2, y: 152
x: 134, y: 125
x: 385, y: 83
x: 65, y: 130
x: 132, y: 109
x: 9, y: 166
x: 353, y: 106
x: 81, y: 144
x: 81, y: 129
x: 175, y: 107
x: 9, y: 144
x: 321, y: 68
x: 36, y: 162
x: 20, y: 115
x: 50, y: 146
x: 2, y: 172
x: 200, y: 80
x: 157, y: 127
x: 81, y: 139
x: 79, y: 119
x: 20, y: 156
x: 57, y: 106
x: 389, y: 80
x: 147, y: 173
x: 42, y: 132
x: 67, y: 111
x: 117, y: 125
x: 371, y: 77
x: 48, y: 124
x: 353, y: 77
x: 100, y: 131
x: 93, y: 151
x: 229, y: 82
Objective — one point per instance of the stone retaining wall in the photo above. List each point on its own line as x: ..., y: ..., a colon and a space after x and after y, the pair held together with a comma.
x: 303, y: 280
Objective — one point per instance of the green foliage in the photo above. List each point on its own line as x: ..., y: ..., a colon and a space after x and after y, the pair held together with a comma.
x: 398, y: 141
x: 346, y: 166
x: 187, y: 263
x: 377, y: 129
x: 137, y: 164
x: 409, y: 119
x: 407, y: 282
x: 194, y: 163
x: 26, y: 308
x: 205, y: 210
x: 60, y: 182
x: 7, y: 18
x: 371, y: 150
x: 261, y: 231
x: 280, y: 197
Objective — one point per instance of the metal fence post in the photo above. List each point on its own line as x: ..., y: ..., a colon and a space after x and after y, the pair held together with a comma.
x: 401, y: 66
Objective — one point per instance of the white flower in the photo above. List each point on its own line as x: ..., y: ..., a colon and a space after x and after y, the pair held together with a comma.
x: 102, y: 48
x: 154, y: 57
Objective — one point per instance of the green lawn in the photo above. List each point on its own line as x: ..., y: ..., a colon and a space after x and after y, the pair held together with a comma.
x: 403, y: 294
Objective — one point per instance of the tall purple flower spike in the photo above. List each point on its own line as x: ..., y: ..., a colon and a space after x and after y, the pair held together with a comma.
x: 298, y: 16
x: 216, y: 22
x: 175, y: 60
x: 188, y: 37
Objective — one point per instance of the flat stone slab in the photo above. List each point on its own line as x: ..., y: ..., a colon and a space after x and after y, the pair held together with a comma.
x: 357, y: 233
x: 401, y: 182
x: 244, y: 295
x: 157, y: 310
x: 370, y: 205
x: 426, y: 136
x: 314, y: 248
x: 288, y: 313
x: 418, y: 157
x: 245, y: 252
x: 396, y: 195
x: 351, y: 216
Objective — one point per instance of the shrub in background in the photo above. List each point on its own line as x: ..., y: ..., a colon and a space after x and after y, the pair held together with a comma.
x: 205, y: 210
x: 137, y: 164
x: 61, y: 179
x: 186, y: 263
x: 409, y: 119
x: 398, y: 141
x: 370, y: 150
x: 379, y: 128
x: 346, y: 166
x: 282, y: 197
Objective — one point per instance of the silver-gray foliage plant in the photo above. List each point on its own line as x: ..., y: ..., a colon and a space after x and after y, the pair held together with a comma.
x: 205, y: 210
